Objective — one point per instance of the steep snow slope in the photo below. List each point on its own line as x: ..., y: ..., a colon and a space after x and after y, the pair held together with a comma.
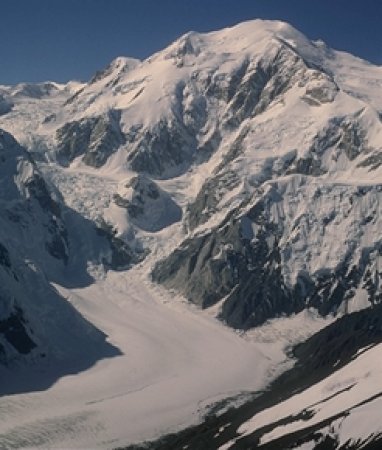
x: 348, y: 396
x: 37, y: 326
x: 328, y: 410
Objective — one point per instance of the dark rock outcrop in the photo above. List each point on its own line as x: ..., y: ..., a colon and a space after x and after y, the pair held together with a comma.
x: 95, y: 138
x: 241, y: 260
x: 148, y: 206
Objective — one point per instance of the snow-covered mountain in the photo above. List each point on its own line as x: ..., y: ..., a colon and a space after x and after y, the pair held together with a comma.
x: 239, y: 169
x: 37, y: 325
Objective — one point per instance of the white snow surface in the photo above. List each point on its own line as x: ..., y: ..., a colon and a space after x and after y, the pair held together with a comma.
x: 344, y: 390
x: 176, y: 361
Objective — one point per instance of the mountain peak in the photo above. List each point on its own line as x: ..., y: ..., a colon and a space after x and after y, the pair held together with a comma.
x: 119, y: 65
x: 250, y: 38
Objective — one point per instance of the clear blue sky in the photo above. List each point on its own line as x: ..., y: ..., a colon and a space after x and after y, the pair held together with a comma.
x: 71, y: 39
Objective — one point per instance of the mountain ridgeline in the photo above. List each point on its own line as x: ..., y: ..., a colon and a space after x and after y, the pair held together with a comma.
x: 243, y: 166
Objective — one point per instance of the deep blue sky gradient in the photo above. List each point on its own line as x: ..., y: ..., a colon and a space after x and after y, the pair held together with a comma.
x: 71, y: 39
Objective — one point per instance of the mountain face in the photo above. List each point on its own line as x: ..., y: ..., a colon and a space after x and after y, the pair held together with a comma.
x: 34, y: 247
x: 241, y: 168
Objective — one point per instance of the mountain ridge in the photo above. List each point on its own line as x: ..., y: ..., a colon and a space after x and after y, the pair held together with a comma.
x: 240, y: 170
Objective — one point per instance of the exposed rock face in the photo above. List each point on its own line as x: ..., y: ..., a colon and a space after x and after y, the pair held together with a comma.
x: 37, y: 324
x: 27, y: 203
x: 263, y: 264
x: 257, y: 84
x: 73, y: 140
x: 372, y: 162
x: 5, y: 105
x: 120, y: 255
x: 163, y: 151
x: 35, y: 246
x: 226, y: 263
x: 57, y: 244
x: 13, y: 332
x: 105, y: 138
x: 210, y: 195
x: 95, y: 138
x: 35, y: 91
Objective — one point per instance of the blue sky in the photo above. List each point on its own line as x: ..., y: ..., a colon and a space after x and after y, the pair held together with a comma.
x: 71, y: 39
